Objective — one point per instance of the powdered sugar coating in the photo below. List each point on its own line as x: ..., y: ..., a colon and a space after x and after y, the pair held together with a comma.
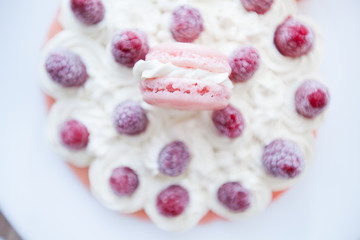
x: 66, y: 68
x: 187, y: 24
x: 311, y: 98
x: 174, y: 158
x: 258, y: 6
x: 130, y: 118
x: 172, y: 201
x: 74, y: 135
x: 229, y: 121
x: 89, y: 12
x: 234, y: 196
x: 129, y: 46
x: 283, y: 159
x: 123, y: 181
x: 244, y: 63
x: 293, y: 38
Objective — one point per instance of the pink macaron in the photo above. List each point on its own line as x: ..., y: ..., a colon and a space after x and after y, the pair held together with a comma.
x: 185, y: 76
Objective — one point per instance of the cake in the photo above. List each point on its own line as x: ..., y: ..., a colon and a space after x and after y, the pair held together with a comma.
x: 184, y: 160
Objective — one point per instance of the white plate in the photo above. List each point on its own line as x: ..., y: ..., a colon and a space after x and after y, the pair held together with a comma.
x: 44, y: 200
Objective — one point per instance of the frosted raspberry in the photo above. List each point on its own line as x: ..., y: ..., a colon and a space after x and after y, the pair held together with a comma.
x: 173, y: 159
x: 172, y: 201
x: 74, y: 135
x: 89, y: 12
x: 187, y: 24
x: 129, y: 46
x: 123, y: 181
x: 283, y: 159
x: 258, y: 6
x: 244, y: 62
x: 234, y: 196
x: 66, y: 68
x: 229, y: 121
x: 311, y: 98
x: 293, y: 38
x: 130, y: 118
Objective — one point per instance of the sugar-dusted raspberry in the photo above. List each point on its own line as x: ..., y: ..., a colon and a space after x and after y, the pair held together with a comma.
x: 172, y: 201
x: 311, y: 98
x: 283, y: 159
x: 258, y: 6
x: 234, y: 196
x: 293, y: 38
x: 173, y: 158
x: 124, y: 181
x: 89, y: 12
x: 74, y: 135
x: 129, y: 46
x: 130, y: 118
x: 244, y: 62
x: 187, y: 24
x: 66, y: 68
x: 229, y: 121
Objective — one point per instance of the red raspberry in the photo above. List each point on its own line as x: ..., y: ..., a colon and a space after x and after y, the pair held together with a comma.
x: 258, y: 6
x: 89, y: 12
x: 173, y: 159
x: 66, y: 68
x: 129, y: 46
x: 74, y: 135
x: 244, y: 62
x: 311, y: 98
x: 123, y: 181
x: 234, y: 196
x: 172, y: 201
x: 130, y: 118
x: 283, y: 159
x: 187, y: 24
x: 293, y: 38
x: 229, y: 121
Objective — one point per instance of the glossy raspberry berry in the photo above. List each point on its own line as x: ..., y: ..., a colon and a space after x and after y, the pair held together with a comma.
x: 187, y: 24
x: 174, y: 158
x: 244, y: 62
x: 234, y: 196
x: 74, y: 135
x: 229, y: 121
x: 129, y: 46
x: 283, y: 159
x: 66, y: 68
x: 311, y: 98
x: 124, y: 181
x: 172, y: 201
x: 258, y: 6
x: 130, y: 118
x: 89, y: 12
x: 293, y: 38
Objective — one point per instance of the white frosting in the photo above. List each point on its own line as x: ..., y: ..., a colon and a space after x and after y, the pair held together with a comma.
x: 153, y: 69
x: 266, y: 102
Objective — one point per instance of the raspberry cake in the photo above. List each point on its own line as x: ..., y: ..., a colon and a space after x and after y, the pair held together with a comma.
x: 185, y: 109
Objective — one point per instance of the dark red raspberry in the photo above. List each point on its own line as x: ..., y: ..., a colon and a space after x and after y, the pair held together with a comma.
x: 89, y: 12
x: 258, y: 6
x: 173, y: 159
x: 66, y: 68
x: 129, y: 46
x: 172, y: 201
x: 130, y: 118
x: 293, y: 38
x: 244, y: 62
x: 311, y: 98
x: 187, y: 24
x: 234, y: 196
x: 74, y: 135
x: 123, y: 181
x: 229, y: 121
x: 283, y: 159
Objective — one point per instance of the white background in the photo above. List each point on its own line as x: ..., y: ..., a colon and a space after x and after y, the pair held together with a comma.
x: 44, y: 200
